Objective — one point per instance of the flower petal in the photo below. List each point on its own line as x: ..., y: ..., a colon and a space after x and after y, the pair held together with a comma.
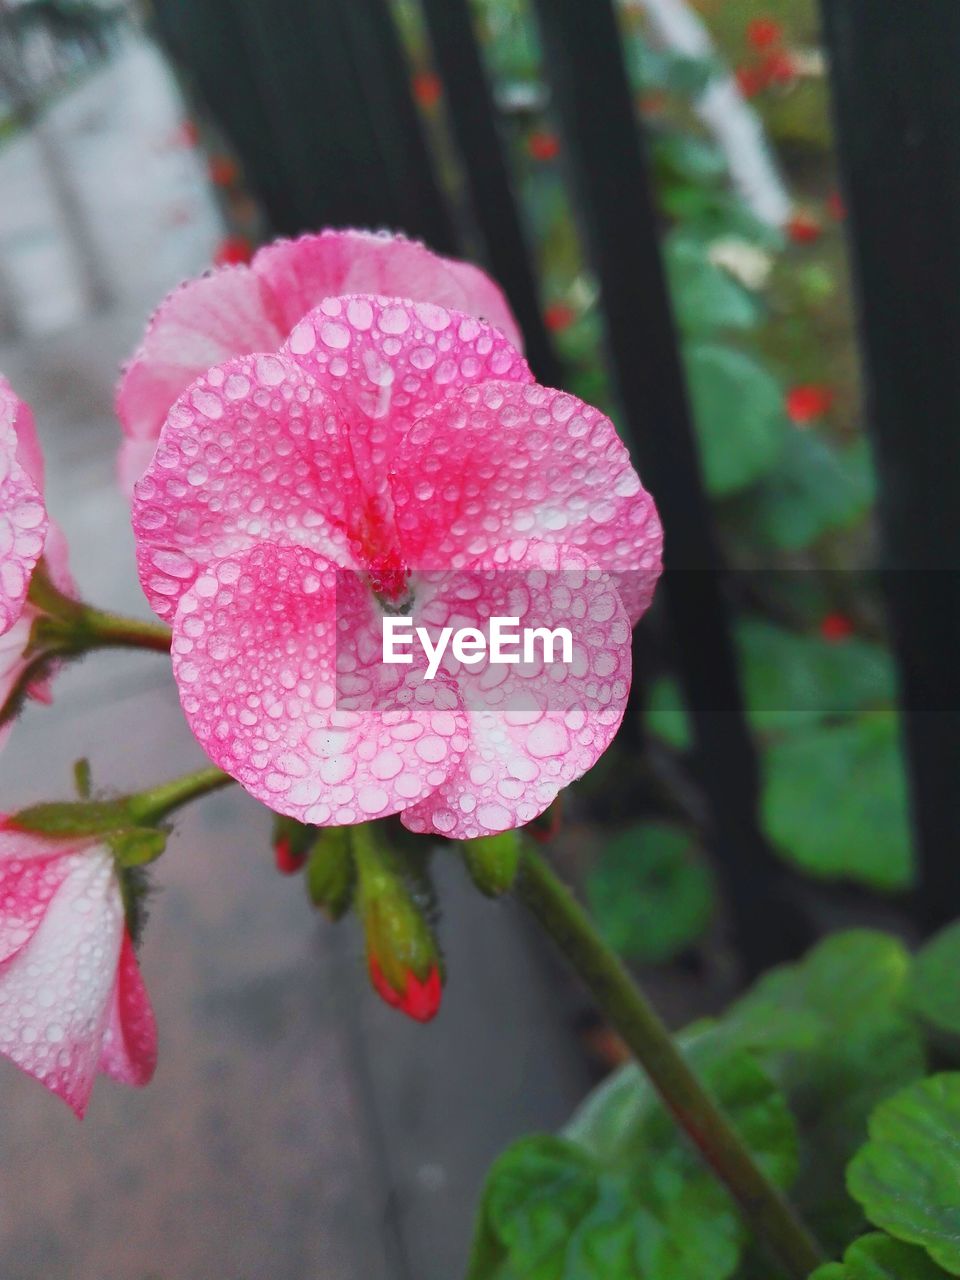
x: 277, y: 655
x: 56, y: 990
x: 227, y: 313
x: 301, y: 273
x: 31, y: 872
x: 502, y: 461
x: 254, y: 449
x: 534, y: 726
x: 23, y: 516
x: 130, y: 1040
x: 387, y: 361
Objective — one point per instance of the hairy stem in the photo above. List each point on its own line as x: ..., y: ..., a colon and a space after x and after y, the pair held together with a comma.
x: 153, y: 805
x: 766, y: 1210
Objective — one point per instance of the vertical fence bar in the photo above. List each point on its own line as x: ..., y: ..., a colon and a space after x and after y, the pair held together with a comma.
x: 897, y: 106
x: 474, y: 124
x: 584, y: 63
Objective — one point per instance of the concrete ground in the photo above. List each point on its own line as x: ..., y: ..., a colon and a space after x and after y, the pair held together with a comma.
x: 296, y: 1128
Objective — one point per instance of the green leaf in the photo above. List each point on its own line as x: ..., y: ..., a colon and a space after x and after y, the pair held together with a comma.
x: 907, y: 1177
x: 835, y: 802
x: 705, y: 297
x: 649, y: 893
x: 790, y: 681
x: 624, y: 1197
x: 812, y: 489
x: 832, y: 1032
x: 692, y: 159
x: 880, y: 1257
x: 935, y: 983
x: 738, y: 409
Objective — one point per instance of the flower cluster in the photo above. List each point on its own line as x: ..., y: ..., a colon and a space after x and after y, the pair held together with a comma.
x: 341, y: 430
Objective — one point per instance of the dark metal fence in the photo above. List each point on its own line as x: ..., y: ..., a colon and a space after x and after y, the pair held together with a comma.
x: 315, y: 95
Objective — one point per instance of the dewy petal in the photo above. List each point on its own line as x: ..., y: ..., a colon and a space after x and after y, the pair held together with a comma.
x: 130, y: 1040
x: 501, y: 461
x: 240, y: 310
x: 23, y: 516
x: 227, y: 313
x: 387, y: 361
x: 301, y: 273
x: 56, y: 989
x: 277, y: 655
x: 534, y: 727
x: 254, y: 449
x: 31, y: 872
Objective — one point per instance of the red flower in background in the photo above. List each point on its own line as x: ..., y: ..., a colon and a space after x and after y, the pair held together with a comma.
x: 764, y: 33
x: 427, y: 88
x: 836, y: 626
x: 835, y: 206
x: 807, y: 403
x: 750, y: 81
x: 778, y: 68
x: 803, y: 228
x: 233, y: 249
x: 559, y: 316
x: 543, y: 145
x: 223, y: 171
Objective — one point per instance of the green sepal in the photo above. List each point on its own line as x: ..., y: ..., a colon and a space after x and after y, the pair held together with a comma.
x: 74, y: 818
x: 296, y: 834
x: 493, y: 861
x: 331, y: 875
x: 137, y: 846
x: 398, y: 933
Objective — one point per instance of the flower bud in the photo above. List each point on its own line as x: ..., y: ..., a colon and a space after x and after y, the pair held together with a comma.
x: 331, y: 873
x: 402, y: 954
x: 492, y: 862
x: 291, y: 843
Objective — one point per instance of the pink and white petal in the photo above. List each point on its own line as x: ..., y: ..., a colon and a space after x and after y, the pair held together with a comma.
x: 500, y: 461
x: 32, y: 869
x: 278, y: 659
x: 133, y: 458
x: 227, y: 313
x: 23, y: 528
x: 130, y: 1040
x: 254, y: 449
x: 55, y: 991
x: 387, y: 361
x: 302, y: 272
x: 16, y: 413
x: 534, y: 726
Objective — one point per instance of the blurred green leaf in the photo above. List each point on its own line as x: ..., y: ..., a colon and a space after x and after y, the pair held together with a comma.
x: 811, y: 489
x: 879, y: 1257
x: 935, y: 984
x: 907, y: 1177
x: 738, y: 410
x: 706, y: 298
x: 649, y: 892
x: 832, y: 1032
x: 835, y: 802
x: 623, y: 1197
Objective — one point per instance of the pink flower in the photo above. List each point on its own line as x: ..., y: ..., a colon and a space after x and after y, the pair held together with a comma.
x: 26, y: 532
x: 238, y: 310
x: 72, y: 1001
x: 393, y: 456
x: 23, y: 516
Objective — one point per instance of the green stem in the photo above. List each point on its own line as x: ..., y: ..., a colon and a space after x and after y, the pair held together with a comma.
x: 71, y: 626
x: 766, y: 1210
x: 151, y: 806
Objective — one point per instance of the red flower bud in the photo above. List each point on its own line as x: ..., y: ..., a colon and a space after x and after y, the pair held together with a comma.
x: 806, y: 403
x: 803, y: 228
x: 836, y: 626
x: 764, y: 33
x: 543, y: 145
x: 427, y: 89
x: 233, y: 249
x: 418, y: 1000
x: 558, y: 316
x: 288, y: 861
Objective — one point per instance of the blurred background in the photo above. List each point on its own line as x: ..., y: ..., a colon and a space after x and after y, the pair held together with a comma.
x: 656, y: 186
